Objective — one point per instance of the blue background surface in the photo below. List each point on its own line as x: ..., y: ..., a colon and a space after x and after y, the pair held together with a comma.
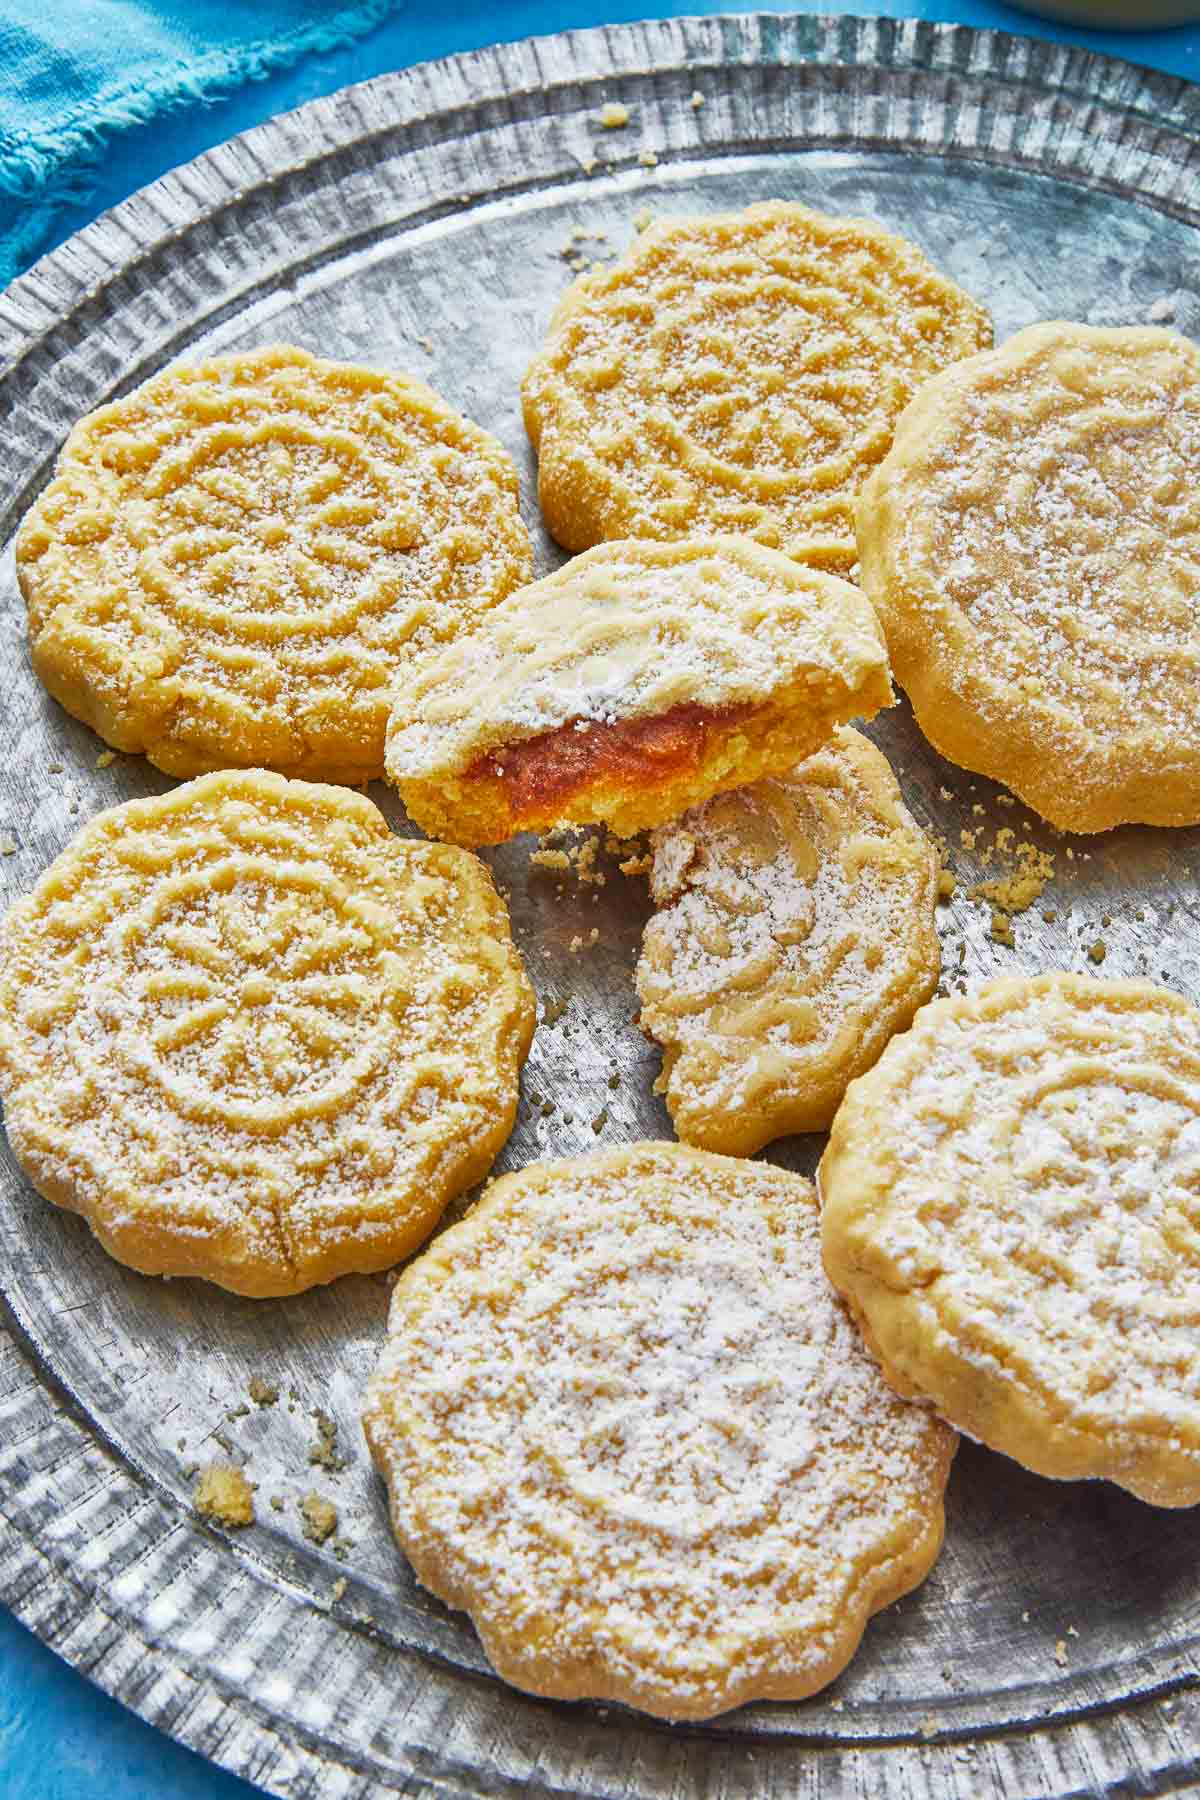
x: 61, y: 1738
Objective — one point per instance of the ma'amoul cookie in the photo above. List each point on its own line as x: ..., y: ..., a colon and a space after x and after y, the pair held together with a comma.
x: 626, y: 1424
x: 796, y: 935
x: 637, y: 680
x: 230, y: 561
x: 1032, y: 545
x: 251, y: 1035
x: 737, y: 372
x: 1011, y: 1202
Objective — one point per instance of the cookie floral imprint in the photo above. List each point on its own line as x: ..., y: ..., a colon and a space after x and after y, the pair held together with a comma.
x: 1011, y: 1200
x: 633, y: 682
x: 230, y: 561
x: 626, y: 1424
x: 1032, y: 547
x: 251, y: 1035
x: 796, y: 936
x: 737, y: 372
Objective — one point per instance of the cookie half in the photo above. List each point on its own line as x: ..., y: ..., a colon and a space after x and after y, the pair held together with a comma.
x: 796, y: 935
x: 251, y: 1035
x: 231, y: 560
x: 634, y: 682
x: 737, y: 372
x: 1032, y: 545
x: 626, y: 1424
x: 1011, y: 1203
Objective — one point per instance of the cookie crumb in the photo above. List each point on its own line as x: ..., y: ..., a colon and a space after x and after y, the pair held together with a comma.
x: 1060, y: 1653
x: 553, y: 1010
x: 642, y: 218
x: 1098, y: 951
x: 697, y: 100
x: 613, y: 116
x: 550, y: 859
x: 277, y: 1502
x: 928, y: 1726
x: 324, y: 1451
x: 263, y: 1393
x: 7, y: 847
x: 648, y: 159
x: 947, y: 884
x: 223, y: 1494
x: 338, y: 1590
x: 106, y: 759
x: 320, y: 1518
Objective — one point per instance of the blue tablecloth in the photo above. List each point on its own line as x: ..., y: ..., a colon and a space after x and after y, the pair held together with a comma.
x: 60, y: 1738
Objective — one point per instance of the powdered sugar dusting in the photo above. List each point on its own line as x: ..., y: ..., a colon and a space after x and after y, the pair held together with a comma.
x: 797, y: 935
x: 1045, y: 550
x: 626, y: 1422
x: 1041, y: 1142
x: 630, y: 630
x: 251, y: 1035
x: 737, y: 372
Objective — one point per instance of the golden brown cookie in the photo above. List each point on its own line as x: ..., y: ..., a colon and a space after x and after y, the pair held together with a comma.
x: 1011, y: 1206
x: 796, y: 936
x: 626, y: 1424
x: 230, y: 562
x: 636, y: 681
x: 1032, y: 544
x: 737, y: 372
x: 251, y: 1035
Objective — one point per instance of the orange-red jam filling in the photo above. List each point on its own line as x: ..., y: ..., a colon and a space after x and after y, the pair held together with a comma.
x: 541, y: 772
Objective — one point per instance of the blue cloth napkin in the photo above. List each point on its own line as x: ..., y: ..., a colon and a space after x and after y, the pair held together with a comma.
x: 74, y: 72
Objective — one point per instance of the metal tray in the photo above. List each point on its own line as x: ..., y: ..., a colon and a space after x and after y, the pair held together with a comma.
x: 419, y: 222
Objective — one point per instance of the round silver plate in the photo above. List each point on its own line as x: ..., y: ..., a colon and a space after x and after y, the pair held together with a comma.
x: 419, y: 222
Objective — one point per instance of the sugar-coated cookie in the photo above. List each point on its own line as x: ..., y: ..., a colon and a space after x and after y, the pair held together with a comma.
x: 626, y: 1424
x: 1011, y: 1206
x: 230, y: 561
x: 634, y: 682
x: 737, y: 372
x: 1032, y: 545
x: 251, y: 1035
x: 796, y: 935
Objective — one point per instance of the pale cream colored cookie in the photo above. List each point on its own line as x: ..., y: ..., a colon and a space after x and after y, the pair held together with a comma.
x: 638, y: 680
x: 251, y: 1035
x: 230, y: 562
x: 1011, y: 1206
x: 1032, y: 544
x: 737, y: 372
x: 626, y: 1424
x: 796, y: 936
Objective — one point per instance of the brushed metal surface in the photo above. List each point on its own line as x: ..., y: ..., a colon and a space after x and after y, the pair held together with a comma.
x: 420, y: 222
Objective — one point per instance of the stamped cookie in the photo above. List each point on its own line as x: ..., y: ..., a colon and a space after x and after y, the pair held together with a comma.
x: 1011, y: 1203
x: 737, y: 372
x: 251, y: 1035
x: 796, y: 936
x: 230, y: 561
x: 1032, y: 544
x: 636, y: 681
x: 626, y: 1424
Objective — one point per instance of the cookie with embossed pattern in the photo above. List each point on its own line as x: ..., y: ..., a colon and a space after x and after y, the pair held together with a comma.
x: 231, y: 561
x: 626, y: 1424
x: 1011, y: 1206
x: 737, y: 372
x: 795, y: 936
x: 251, y: 1035
x: 638, y: 679
x: 1032, y: 546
